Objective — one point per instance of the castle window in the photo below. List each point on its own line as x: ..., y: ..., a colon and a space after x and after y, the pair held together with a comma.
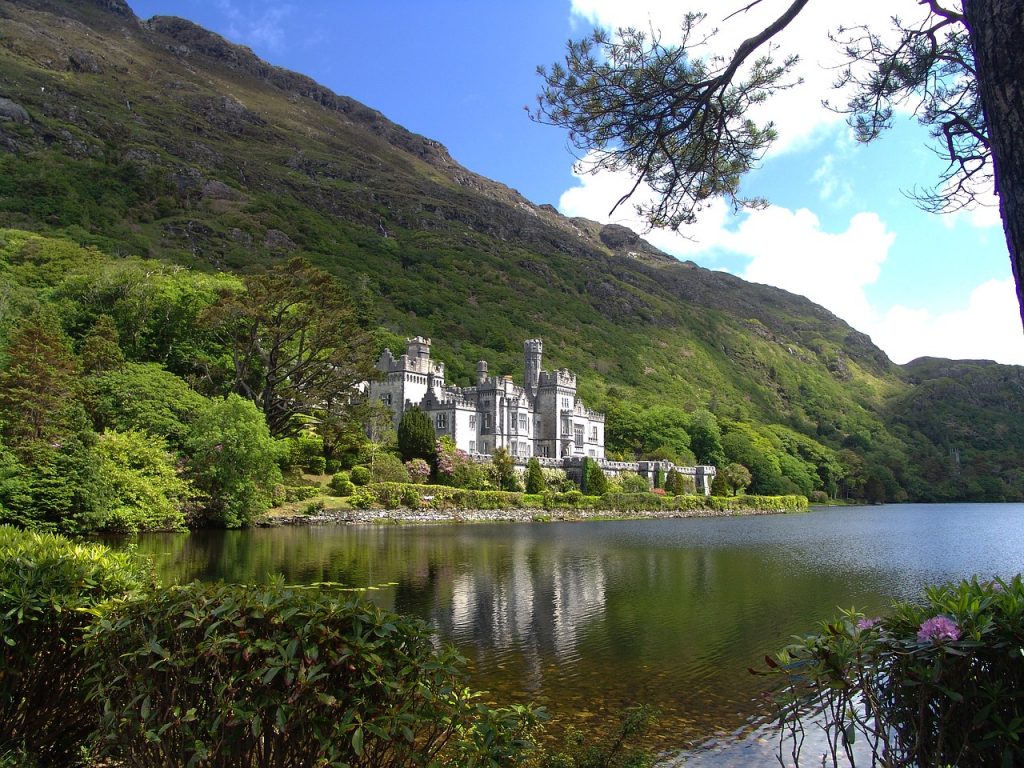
x: 579, y: 435
x: 442, y: 421
x: 593, y: 434
x: 472, y: 421
x: 592, y: 453
x: 386, y: 398
x: 472, y: 446
x: 524, y: 422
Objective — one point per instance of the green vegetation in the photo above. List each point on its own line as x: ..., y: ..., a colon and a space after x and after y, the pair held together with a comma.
x: 124, y: 234
x: 49, y: 590
x: 935, y: 683
x: 99, y: 664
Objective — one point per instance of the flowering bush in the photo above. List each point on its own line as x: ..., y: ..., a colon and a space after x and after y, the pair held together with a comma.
x: 936, y: 683
x: 418, y: 470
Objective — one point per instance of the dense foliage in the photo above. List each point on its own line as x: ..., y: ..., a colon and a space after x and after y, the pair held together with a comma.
x: 935, y: 683
x: 49, y: 588
x: 226, y: 675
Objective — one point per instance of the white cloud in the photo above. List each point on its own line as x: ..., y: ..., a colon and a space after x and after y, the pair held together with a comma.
x: 988, y: 328
x: 790, y: 250
x: 260, y: 30
x: 798, y: 112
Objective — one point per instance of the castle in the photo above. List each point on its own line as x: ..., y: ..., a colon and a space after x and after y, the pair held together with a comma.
x: 541, y: 418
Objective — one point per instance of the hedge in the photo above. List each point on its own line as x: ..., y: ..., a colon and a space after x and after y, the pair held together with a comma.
x: 442, y: 497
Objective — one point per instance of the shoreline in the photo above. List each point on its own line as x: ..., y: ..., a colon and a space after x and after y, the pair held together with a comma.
x: 400, y: 516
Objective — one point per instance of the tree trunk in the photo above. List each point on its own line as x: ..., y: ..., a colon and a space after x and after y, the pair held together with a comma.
x: 996, y: 28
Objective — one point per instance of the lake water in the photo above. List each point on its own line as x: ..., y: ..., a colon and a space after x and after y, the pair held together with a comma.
x: 587, y: 618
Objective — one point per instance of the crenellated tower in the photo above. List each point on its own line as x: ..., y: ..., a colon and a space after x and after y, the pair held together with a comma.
x: 533, y: 353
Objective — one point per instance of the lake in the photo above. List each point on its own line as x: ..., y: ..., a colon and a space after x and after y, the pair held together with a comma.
x: 590, y: 617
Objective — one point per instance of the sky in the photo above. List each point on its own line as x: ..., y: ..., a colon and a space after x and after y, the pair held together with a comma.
x: 840, y: 228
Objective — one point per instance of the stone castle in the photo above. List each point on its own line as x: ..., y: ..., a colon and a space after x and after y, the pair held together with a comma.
x: 542, y: 418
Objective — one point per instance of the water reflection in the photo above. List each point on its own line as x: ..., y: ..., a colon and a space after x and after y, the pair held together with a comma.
x: 588, y: 617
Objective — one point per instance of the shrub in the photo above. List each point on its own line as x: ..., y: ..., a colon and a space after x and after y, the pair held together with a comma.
x: 418, y: 469
x: 341, y: 484
x: 534, y: 477
x: 247, y: 676
x: 316, y: 465
x: 300, y: 492
x: 631, y: 482
x: 388, y: 468
x: 936, y: 683
x: 314, y: 507
x: 48, y: 588
x: 360, y: 475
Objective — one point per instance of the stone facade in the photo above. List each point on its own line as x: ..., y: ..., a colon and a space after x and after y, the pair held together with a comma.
x: 541, y: 418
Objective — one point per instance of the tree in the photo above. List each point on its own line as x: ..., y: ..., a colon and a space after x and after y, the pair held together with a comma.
x: 706, y: 438
x: 101, y: 348
x: 595, y: 480
x: 680, y: 123
x: 144, y: 396
x: 39, y: 386
x: 233, y: 461
x: 142, y: 488
x: 736, y: 477
x: 416, y: 438
x: 504, y: 469
x: 298, y: 343
x: 534, y: 476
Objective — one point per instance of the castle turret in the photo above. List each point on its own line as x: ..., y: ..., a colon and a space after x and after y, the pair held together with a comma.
x: 481, y: 372
x: 418, y: 348
x: 533, y: 352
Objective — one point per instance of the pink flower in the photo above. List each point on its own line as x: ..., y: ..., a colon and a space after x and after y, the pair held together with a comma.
x: 937, y: 629
x: 865, y: 624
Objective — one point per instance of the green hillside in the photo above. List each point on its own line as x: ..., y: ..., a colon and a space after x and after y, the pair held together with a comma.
x: 159, y: 140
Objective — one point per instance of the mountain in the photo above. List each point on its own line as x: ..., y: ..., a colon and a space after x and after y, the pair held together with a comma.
x: 159, y: 139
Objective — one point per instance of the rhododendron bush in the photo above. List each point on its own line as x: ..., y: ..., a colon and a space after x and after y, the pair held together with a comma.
x: 937, y: 682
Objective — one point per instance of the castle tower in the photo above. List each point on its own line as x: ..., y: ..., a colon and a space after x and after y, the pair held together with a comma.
x: 418, y: 348
x: 481, y: 372
x: 533, y: 352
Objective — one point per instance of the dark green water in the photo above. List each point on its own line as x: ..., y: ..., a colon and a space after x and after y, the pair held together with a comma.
x: 588, y: 617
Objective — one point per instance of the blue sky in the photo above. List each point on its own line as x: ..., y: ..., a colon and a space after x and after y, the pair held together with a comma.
x: 840, y: 230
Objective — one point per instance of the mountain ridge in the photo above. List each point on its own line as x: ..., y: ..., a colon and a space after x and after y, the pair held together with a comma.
x: 160, y: 139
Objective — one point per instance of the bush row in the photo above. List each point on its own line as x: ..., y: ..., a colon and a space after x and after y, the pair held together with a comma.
x: 441, y: 497
x: 97, y: 658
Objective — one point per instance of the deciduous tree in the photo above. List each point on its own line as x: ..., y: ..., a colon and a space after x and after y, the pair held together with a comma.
x: 298, y: 343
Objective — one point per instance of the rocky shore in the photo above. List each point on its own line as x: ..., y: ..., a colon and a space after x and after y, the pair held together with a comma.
x: 418, y: 516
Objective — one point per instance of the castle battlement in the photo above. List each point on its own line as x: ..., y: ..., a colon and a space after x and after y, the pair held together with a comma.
x: 538, y: 418
x: 562, y: 378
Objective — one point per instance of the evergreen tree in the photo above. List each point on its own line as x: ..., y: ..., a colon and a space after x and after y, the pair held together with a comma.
x: 39, y: 387
x: 416, y: 438
x: 101, y: 348
x: 534, y: 477
x: 673, y: 483
x: 596, y: 480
